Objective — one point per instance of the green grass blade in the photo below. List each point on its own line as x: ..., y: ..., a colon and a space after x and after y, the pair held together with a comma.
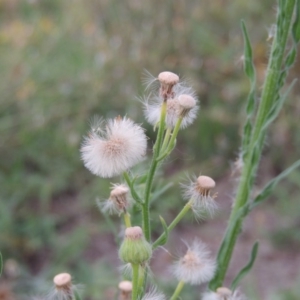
x: 247, y: 268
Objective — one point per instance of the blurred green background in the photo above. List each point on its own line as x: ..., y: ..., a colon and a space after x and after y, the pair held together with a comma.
x: 61, y: 62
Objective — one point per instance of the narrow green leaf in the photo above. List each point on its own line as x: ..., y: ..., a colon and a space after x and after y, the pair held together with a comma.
x: 248, y: 64
x: 246, y: 138
x: 296, y: 24
x: 291, y: 57
x: 274, y: 112
x: 165, y: 227
x: 1, y: 264
x: 161, y: 191
x: 76, y: 295
x: 247, y: 268
x: 250, y: 102
x: 267, y: 190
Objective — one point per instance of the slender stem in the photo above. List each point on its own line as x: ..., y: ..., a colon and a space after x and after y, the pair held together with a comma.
x: 166, y: 139
x: 178, y: 290
x: 174, y: 134
x: 151, y: 173
x: 134, y: 194
x: 141, y: 277
x: 127, y: 219
x: 269, y: 94
x: 178, y: 218
x: 135, y: 281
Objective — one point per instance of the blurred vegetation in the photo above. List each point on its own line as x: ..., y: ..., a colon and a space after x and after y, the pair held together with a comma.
x: 61, y: 62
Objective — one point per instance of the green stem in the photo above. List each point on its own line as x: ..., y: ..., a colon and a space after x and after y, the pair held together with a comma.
x: 141, y: 278
x: 174, y: 134
x: 178, y: 290
x: 135, y: 281
x: 166, y: 140
x: 151, y: 173
x: 134, y: 194
x: 127, y: 219
x: 269, y: 93
x: 178, y: 218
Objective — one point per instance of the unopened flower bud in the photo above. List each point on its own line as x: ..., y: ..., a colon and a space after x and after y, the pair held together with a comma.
x: 126, y: 288
x: 63, y: 281
x: 205, y: 184
x: 185, y: 103
x: 135, y: 249
x: 167, y: 81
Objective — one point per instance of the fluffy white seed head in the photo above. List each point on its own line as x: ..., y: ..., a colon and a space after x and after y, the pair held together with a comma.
x: 196, y: 266
x: 182, y: 104
x: 223, y: 293
x: 118, y: 202
x: 153, y: 294
x: 112, y: 150
x: 63, y: 288
x: 199, y: 189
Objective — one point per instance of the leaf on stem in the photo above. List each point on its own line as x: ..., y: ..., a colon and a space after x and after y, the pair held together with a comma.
x: 275, y: 110
x: 296, y: 24
x: 248, y: 64
x: 166, y: 231
x: 250, y: 106
x: 161, y: 191
x: 1, y: 264
x: 76, y: 295
x: 267, y: 190
x: 247, y: 268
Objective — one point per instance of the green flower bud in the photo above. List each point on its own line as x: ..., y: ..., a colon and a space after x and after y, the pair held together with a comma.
x: 135, y: 249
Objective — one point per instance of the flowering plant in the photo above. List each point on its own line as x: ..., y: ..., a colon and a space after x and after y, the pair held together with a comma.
x: 114, y: 146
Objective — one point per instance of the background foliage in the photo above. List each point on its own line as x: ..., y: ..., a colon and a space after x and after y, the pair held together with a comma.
x: 62, y: 62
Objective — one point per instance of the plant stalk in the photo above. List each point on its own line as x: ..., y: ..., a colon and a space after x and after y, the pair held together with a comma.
x: 269, y: 94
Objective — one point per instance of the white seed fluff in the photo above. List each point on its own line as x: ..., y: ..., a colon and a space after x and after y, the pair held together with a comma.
x: 196, y: 266
x: 153, y: 294
x: 118, y: 202
x: 236, y: 295
x: 116, y: 148
x: 203, y: 201
x: 152, y: 108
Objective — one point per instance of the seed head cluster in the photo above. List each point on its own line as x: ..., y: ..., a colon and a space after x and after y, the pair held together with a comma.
x: 181, y: 102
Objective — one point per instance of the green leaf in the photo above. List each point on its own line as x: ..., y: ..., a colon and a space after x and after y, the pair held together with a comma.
x: 246, y: 138
x: 76, y: 295
x: 246, y: 269
x: 161, y: 191
x: 1, y: 264
x: 296, y: 24
x: 166, y: 231
x: 267, y: 190
x: 248, y: 64
x: 274, y: 112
